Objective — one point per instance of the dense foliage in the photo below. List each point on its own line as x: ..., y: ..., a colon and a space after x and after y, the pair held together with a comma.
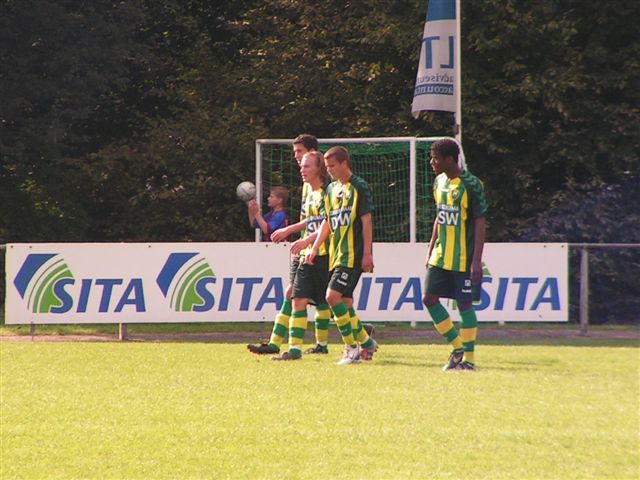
x: 134, y: 120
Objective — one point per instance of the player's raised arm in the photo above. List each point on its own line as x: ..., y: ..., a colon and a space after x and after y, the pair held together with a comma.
x: 322, y: 234
x: 253, y: 209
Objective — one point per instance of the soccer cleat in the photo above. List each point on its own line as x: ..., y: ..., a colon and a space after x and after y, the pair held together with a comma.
x: 351, y: 355
x: 465, y: 366
x: 317, y: 349
x: 286, y: 356
x: 367, y: 353
x: 454, y: 360
x: 369, y: 328
x: 264, y: 348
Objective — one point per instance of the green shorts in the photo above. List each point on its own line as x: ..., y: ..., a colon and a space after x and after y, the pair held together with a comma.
x: 345, y: 280
x: 449, y: 284
x: 310, y: 281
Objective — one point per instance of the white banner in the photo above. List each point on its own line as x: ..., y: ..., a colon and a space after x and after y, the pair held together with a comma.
x: 523, y: 282
x: 436, y: 87
x: 216, y: 282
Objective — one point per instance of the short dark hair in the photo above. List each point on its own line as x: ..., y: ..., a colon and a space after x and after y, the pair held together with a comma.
x: 309, y: 141
x: 340, y: 153
x: 447, y: 147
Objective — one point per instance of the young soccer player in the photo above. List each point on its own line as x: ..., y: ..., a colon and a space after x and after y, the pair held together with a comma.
x: 349, y: 226
x: 302, y: 144
x: 310, y: 281
x: 454, y: 258
x: 277, y: 216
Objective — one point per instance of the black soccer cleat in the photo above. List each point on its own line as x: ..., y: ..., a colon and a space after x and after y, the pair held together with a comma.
x: 318, y: 349
x: 264, y: 348
x: 454, y: 360
x: 286, y: 356
x: 466, y: 366
x: 369, y: 328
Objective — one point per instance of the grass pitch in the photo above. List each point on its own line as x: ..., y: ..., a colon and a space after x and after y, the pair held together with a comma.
x: 186, y: 411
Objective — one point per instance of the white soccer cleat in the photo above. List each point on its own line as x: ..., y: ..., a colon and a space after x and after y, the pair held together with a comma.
x: 351, y: 355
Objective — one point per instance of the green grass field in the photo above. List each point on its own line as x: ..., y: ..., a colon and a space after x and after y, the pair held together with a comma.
x: 203, y: 410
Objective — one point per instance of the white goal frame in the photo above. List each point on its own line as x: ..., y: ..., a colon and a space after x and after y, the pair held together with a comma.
x: 412, y: 141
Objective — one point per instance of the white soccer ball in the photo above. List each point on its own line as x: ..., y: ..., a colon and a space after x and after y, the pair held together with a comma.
x: 246, y: 191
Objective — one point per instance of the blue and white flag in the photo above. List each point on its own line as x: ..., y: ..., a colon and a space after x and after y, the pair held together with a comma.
x: 436, y: 82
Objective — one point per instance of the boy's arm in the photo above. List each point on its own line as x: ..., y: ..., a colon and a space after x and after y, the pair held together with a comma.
x: 476, y: 263
x: 322, y: 234
x: 283, y: 233
x: 432, y: 242
x: 302, y: 243
x: 264, y: 226
x: 252, y: 209
x: 367, y: 237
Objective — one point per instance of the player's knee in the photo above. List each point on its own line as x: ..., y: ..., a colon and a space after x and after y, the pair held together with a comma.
x: 299, y: 304
x: 429, y: 300
x: 288, y: 291
x: 464, y: 306
x: 333, y: 297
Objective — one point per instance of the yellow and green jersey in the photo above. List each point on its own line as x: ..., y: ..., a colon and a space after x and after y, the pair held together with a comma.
x: 313, y: 213
x: 459, y: 201
x: 345, y: 205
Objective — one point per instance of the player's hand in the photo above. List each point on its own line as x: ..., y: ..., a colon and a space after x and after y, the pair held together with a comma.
x: 311, y: 257
x: 298, y: 246
x: 253, y: 206
x: 476, y: 272
x: 367, y: 263
x: 280, y: 235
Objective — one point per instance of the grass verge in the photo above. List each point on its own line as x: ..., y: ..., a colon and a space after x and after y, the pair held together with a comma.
x: 195, y: 410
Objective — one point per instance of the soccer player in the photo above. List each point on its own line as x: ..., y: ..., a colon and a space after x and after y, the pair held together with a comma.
x: 454, y: 258
x: 302, y: 144
x: 349, y: 226
x: 310, y: 280
x: 276, y: 218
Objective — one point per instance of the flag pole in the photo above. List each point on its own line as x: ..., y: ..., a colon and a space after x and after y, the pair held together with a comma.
x: 458, y: 82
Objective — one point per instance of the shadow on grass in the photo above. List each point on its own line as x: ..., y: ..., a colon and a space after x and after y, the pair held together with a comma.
x: 401, y: 363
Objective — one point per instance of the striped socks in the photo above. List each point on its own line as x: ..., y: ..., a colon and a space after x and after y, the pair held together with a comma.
x: 444, y: 325
x: 281, y: 325
x: 343, y: 321
x: 468, y: 334
x: 297, y: 327
x: 322, y: 319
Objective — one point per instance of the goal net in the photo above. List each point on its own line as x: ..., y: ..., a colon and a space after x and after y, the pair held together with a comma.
x: 396, y: 169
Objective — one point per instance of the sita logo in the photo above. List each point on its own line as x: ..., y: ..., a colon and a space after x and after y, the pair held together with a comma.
x: 184, y: 279
x: 48, y: 286
x: 37, y: 281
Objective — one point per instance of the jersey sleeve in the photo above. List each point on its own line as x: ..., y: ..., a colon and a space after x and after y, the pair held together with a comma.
x: 278, y: 220
x: 478, y: 201
x: 365, y: 200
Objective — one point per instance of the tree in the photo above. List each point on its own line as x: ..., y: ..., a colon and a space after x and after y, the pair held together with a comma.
x: 135, y: 120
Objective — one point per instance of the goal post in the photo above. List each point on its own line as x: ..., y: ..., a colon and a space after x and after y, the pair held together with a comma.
x: 397, y: 170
